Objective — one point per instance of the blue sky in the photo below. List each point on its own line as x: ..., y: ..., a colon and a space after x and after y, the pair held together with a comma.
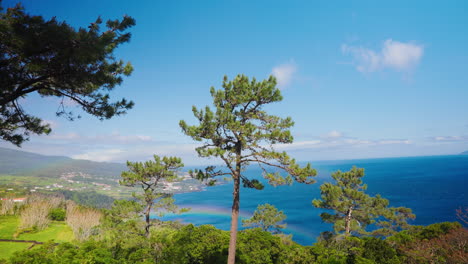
x: 361, y: 79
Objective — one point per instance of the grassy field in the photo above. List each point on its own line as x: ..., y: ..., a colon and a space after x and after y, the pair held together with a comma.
x: 8, y: 248
x: 8, y: 226
x: 20, y: 180
x: 57, y: 231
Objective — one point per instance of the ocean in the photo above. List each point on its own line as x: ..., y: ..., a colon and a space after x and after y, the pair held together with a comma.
x: 433, y: 187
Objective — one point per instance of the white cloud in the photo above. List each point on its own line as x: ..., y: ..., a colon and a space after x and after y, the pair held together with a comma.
x: 394, y: 55
x: 298, y: 145
x: 284, y: 74
x: 393, y: 141
x: 100, y: 155
x: 401, y: 56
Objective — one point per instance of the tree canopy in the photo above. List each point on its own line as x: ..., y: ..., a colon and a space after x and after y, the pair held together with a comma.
x: 268, y: 218
x: 240, y: 132
x: 53, y: 59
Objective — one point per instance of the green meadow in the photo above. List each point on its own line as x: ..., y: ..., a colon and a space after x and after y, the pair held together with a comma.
x: 57, y: 231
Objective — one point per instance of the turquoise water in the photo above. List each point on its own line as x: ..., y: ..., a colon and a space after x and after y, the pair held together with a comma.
x: 433, y: 187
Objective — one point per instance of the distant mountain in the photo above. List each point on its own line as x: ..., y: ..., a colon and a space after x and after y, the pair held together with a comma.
x: 464, y: 153
x: 16, y: 162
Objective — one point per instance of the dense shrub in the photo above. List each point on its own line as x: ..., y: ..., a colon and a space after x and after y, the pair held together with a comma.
x: 204, y: 244
x: 57, y: 214
x: 176, y: 244
x: 379, y: 251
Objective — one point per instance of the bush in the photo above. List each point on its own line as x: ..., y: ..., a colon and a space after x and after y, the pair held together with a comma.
x: 438, y: 229
x: 57, y: 214
x: 379, y: 251
x: 203, y: 244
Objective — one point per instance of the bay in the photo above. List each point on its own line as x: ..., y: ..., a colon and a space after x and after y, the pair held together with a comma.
x: 433, y: 187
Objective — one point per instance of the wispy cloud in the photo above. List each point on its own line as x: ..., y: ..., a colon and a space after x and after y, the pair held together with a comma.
x: 450, y: 138
x: 284, y: 74
x: 101, y: 155
x: 394, y: 55
x: 141, y: 153
x: 332, y: 135
x: 393, y: 142
x: 335, y: 139
x: 114, y: 138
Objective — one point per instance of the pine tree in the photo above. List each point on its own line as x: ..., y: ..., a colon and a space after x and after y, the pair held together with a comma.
x: 240, y: 132
x: 53, y: 59
x: 150, y: 176
x: 355, y: 210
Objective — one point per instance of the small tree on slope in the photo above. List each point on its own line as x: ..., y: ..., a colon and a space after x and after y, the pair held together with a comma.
x: 240, y: 132
x: 355, y: 210
x: 150, y: 176
x: 268, y: 218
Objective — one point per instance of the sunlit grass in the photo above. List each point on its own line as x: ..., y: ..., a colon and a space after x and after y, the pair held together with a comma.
x: 57, y: 231
x: 8, y: 248
x: 8, y: 226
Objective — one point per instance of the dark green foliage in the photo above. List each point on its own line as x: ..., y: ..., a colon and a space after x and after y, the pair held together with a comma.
x: 38, y: 255
x: 268, y: 218
x: 89, y: 252
x: 53, y: 59
x: 257, y: 246
x: 57, y: 214
x: 169, y: 244
x: 88, y: 198
x: 204, y: 244
x: 435, y: 230
x: 379, y: 251
x: 423, y: 232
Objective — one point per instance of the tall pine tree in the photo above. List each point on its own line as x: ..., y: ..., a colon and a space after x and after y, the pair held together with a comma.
x: 240, y: 132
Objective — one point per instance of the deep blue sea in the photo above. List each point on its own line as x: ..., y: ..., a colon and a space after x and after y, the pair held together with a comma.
x: 433, y: 187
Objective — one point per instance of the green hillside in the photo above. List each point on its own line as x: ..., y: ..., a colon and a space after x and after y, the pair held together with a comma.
x: 24, y: 172
x: 16, y: 162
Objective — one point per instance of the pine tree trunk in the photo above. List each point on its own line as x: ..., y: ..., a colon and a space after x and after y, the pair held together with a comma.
x: 148, y: 220
x: 234, y: 221
x: 348, y: 221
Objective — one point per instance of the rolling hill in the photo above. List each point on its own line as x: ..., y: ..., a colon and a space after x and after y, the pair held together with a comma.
x: 16, y: 162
